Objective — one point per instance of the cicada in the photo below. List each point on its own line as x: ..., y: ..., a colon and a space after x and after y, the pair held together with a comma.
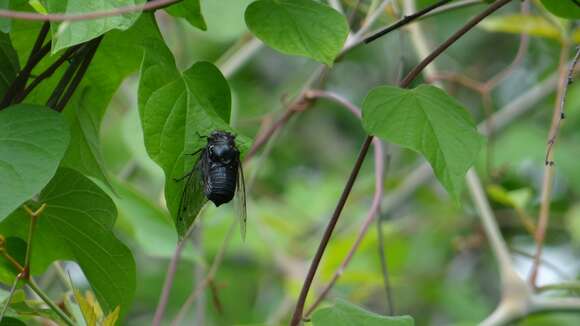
x: 217, y: 174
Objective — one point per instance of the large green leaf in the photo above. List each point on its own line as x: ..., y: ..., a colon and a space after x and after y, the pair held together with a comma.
x: 8, y: 63
x: 70, y: 33
x: 175, y: 109
x: 346, y: 314
x: 427, y: 120
x: 563, y: 8
x: 299, y: 27
x: 33, y: 140
x: 190, y: 10
x: 77, y: 225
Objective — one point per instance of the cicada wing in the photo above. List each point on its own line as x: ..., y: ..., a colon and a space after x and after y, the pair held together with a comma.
x: 240, y: 201
x: 192, y: 197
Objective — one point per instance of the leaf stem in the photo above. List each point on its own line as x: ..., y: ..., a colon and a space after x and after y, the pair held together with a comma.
x: 25, y: 275
x: 49, y: 302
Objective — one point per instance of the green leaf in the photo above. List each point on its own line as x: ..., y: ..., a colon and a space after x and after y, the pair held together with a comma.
x: 8, y: 63
x: 71, y: 33
x: 346, y: 314
x: 429, y: 121
x: 33, y: 140
x: 174, y: 116
x: 77, y: 225
x: 190, y: 10
x: 519, y: 24
x: 10, y: 321
x: 174, y: 110
x: 119, y: 55
x: 299, y: 27
x: 563, y: 8
x: 5, y: 23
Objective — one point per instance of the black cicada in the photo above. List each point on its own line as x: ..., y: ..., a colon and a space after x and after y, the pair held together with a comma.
x: 218, y: 175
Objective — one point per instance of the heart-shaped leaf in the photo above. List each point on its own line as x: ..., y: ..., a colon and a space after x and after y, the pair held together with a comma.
x: 429, y: 121
x: 298, y: 27
x: 174, y: 113
x: 77, y: 225
x: 33, y: 140
x: 346, y: 314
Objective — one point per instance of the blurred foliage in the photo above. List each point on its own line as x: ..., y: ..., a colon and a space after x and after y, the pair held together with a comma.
x: 440, y: 266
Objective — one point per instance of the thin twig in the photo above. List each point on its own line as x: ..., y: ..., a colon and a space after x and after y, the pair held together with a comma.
x: 297, y: 316
x: 154, y: 4
x: 406, y: 20
x: 53, y: 306
x: 385, y: 267
x: 209, y: 277
x: 168, y: 283
x: 547, y: 183
x: 377, y: 197
x: 10, y: 296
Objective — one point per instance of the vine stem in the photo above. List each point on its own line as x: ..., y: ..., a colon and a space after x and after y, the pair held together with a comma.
x: 558, y: 116
x: 297, y: 316
x: 49, y: 302
x: 154, y: 4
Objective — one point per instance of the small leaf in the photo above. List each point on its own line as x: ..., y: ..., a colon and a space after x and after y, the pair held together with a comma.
x: 87, y: 309
x: 77, y: 225
x: 33, y: 140
x: 563, y: 8
x: 519, y: 24
x: 347, y: 314
x: 8, y: 62
x: 71, y: 33
x: 111, y: 319
x: 299, y: 27
x: 429, y: 121
x: 190, y: 10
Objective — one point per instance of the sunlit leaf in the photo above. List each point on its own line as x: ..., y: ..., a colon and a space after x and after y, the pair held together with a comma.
x: 298, y: 27
x: 347, y: 314
x: 519, y: 24
x: 429, y: 121
x: 33, y: 140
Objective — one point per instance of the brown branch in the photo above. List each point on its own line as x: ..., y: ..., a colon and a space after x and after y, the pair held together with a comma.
x: 155, y: 4
x: 406, y: 20
x: 297, y: 316
x: 557, y: 117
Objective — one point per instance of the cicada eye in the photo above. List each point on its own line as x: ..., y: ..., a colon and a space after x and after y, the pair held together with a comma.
x: 212, y: 153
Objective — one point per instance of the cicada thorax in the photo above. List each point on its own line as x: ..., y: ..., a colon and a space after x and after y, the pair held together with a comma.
x: 222, y: 168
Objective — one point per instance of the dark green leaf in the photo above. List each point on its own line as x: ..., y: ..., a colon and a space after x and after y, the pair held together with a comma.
x: 10, y: 321
x: 190, y: 10
x: 346, y: 314
x: 429, y: 121
x: 563, y: 8
x: 8, y: 63
x: 70, y: 33
x: 299, y: 27
x: 77, y: 225
x: 33, y: 140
